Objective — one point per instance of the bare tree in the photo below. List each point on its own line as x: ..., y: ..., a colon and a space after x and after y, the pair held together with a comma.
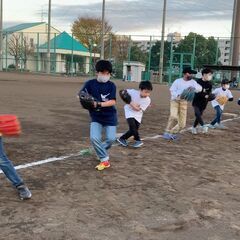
x: 14, y: 46
x: 26, y: 51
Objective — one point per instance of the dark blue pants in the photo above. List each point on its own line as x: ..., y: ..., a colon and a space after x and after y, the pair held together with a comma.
x: 218, y: 115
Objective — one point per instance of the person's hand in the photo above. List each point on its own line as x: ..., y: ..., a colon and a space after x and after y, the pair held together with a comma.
x: 135, y: 106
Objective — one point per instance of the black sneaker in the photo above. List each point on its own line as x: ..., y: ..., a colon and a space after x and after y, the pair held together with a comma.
x: 23, y: 192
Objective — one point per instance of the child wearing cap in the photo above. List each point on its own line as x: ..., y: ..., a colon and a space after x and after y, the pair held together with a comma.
x: 178, y: 106
x: 219, y: 92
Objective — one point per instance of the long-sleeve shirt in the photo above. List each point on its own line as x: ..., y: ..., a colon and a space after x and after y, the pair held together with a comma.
x: 179, y: 85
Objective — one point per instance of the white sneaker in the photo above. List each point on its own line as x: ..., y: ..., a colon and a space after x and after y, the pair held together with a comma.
x: 204, y: 129
x: 212, y: 126
x: 194, y: 130
x: 220, y: 126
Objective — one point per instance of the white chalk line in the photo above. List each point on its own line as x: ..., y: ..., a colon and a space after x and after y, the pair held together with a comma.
x: 82, y: 152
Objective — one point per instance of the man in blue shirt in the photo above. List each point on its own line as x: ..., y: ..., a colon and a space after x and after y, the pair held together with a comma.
x: 104, y: 116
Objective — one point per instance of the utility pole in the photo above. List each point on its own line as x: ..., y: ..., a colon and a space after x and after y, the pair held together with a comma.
x: 1, y: 35
x: 162, y: 42
x: 235, y: 38
x: 103, y: 30
x: 49, y: 36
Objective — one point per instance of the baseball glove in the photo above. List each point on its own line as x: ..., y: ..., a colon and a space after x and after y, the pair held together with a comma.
x: 188, y: 94
x: 9, y: 126
x: 238, y: 101
x: 86, y: 100
x: 125, y: 96
x: 222, y: 99
x: 211, y: 97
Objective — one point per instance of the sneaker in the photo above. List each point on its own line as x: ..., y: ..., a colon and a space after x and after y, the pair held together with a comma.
x: 169, y: 136
x: 220, y: 126
x: 123, y: 142
x: 103, y: 165
x: 23, y: 192
x: 137, y: 144
x: 204, y: 129
x: 212, y: 126
x: 194, y: 130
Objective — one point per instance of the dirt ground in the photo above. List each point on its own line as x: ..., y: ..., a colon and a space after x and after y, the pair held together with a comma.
x: 184, y: 190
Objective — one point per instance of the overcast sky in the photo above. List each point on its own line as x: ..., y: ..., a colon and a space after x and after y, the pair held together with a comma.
x: 143, y: 17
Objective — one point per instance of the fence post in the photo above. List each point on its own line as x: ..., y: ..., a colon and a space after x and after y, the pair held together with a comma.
x: 216, y: 56
x: 194, y: 51
x: 38, y: 52
x: 55, y: 54
x: 72, y: 57
x: 171, y: 62
x: 6, y: 50
x: 22, y: 51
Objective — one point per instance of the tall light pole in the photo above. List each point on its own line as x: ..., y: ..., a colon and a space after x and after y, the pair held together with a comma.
x: 103, y: 30
x: 49, y: 37
x: 235, y: 38
x: 162, y: 42
x: 1, y: 35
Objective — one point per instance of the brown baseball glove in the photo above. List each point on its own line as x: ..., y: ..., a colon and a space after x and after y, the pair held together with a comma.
x: 222, y: 99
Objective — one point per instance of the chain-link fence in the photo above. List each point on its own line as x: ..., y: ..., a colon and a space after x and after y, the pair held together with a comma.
x: 134, y: 58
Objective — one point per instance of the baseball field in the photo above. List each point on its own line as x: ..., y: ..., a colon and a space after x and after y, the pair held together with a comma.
x: 180, y: 190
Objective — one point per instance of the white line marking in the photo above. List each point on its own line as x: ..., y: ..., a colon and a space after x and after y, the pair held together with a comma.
x: 82, y: 152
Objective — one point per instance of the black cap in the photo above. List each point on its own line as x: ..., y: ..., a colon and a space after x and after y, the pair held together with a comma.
x: 189, y: 70
x: 225, y: 81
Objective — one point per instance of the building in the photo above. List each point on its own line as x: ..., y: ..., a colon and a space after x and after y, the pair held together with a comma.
x: 224, y: 46
x: 144, y: 45
x: 174, y: 37
x: 25, y: 48
x: 132, y: 71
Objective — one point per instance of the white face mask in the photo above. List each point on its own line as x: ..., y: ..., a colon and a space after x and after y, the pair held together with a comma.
x: 103, y: 78
x: 226, y: 86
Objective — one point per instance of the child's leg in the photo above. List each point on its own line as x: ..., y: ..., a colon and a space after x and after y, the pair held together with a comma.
x: 8, y: 168
x: 131, y: 126
x: 219, y: 114
x: 110, y: 136
x: 96, y: 140
x: 173, y: 118
x: 217, y: 119
x: 198, y: 114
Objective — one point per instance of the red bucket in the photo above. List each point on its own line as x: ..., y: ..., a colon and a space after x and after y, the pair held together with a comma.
x: 9, y: 125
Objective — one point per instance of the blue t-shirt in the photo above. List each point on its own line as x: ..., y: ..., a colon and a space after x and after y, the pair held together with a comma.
x: 102, y: 92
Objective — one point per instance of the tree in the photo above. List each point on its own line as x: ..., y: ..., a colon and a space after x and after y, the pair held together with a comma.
x: 155, y: 55
x: 20, y: 49
x: 26, y: 51
x: 205, y: 52
x: 14, y: 46
x: 138, y: 55
x: 88, y: 30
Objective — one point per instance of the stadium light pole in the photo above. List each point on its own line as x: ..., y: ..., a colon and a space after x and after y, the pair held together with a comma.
x: 162, y: 42
x: 49, y: 36
x: 1, y: 35
x: 103, y: 30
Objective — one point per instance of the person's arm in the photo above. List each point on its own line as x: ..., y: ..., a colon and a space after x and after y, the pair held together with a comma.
x: 230, y: 96
x: 109, y: 103
x: 173, y: 90
x: 198, y: 87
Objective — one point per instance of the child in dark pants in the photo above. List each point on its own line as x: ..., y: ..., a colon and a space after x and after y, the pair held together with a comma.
x: 200, y: 100
x: 134, y: 112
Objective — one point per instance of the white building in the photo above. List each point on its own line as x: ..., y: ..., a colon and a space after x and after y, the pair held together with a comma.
x: 132, y: 71
x: 145, y: 45
x: 25, y: 45
x: 224, y: 46
x: 174, y: 37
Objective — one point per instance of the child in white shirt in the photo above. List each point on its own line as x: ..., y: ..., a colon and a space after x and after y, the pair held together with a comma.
x: 140, y: 101
x: 221, y: 91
